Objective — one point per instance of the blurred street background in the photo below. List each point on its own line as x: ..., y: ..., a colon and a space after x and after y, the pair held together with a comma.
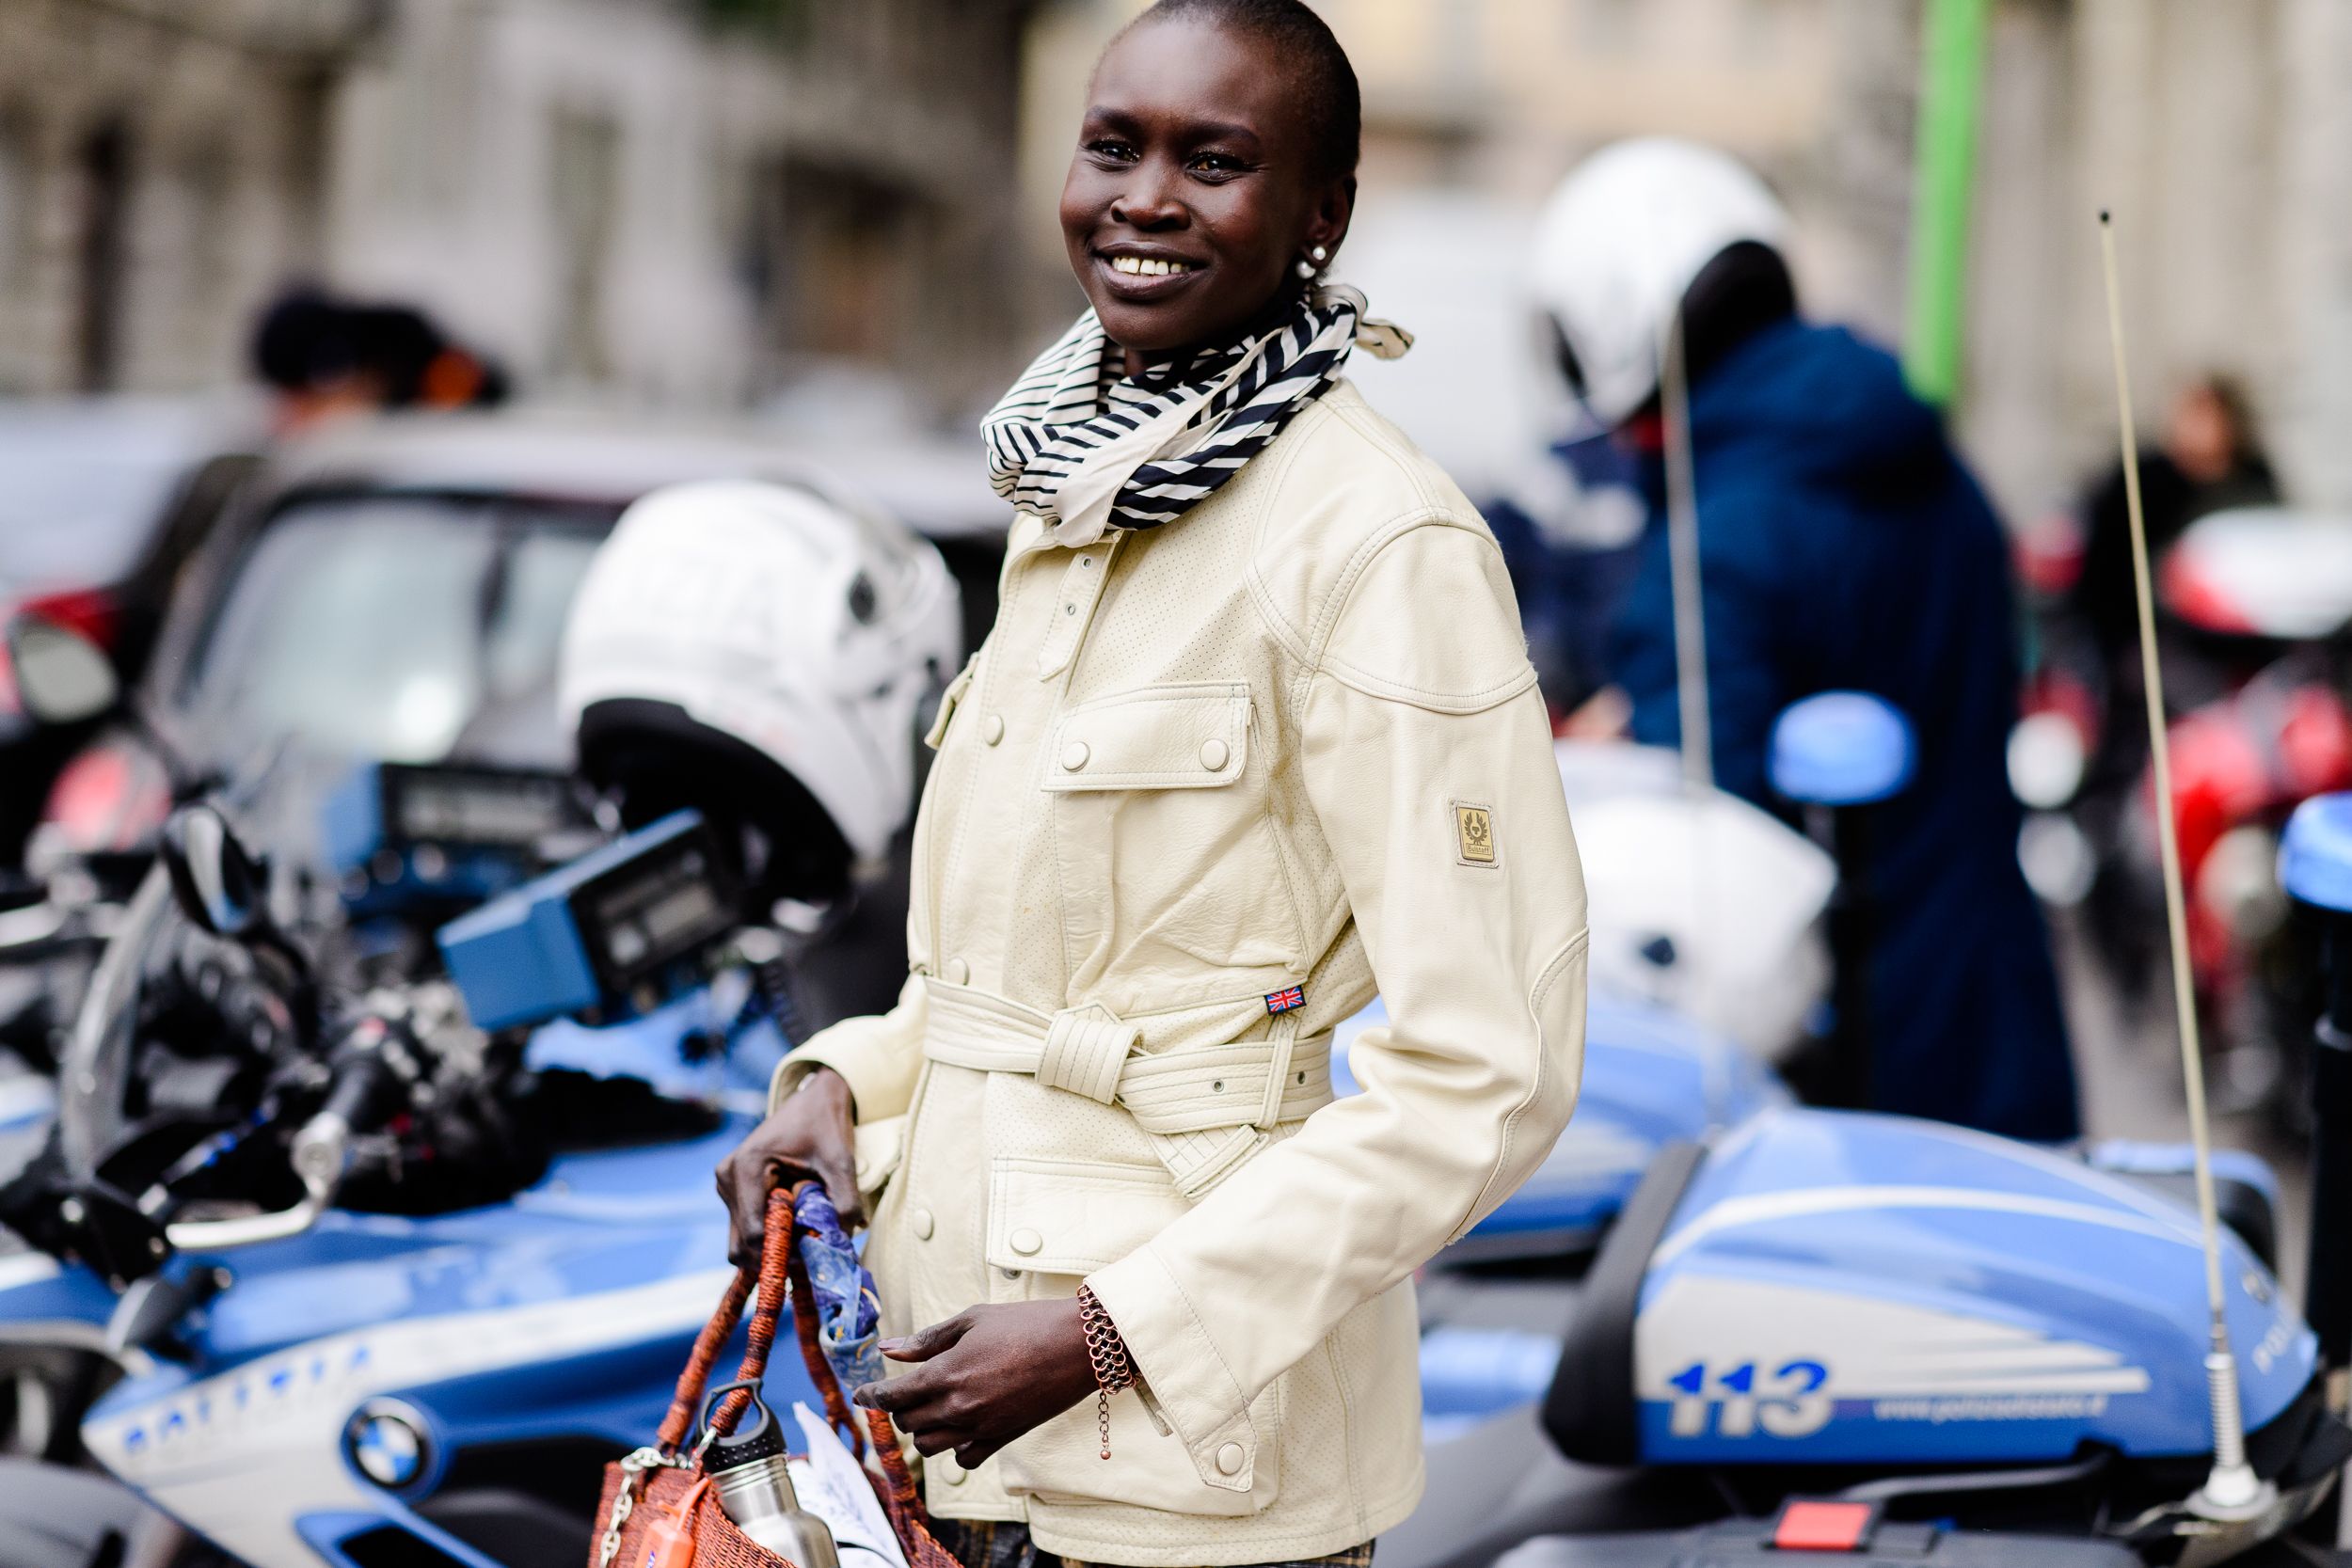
x: 339, y: 339
x: 843, y: 209
x: 833, y: 218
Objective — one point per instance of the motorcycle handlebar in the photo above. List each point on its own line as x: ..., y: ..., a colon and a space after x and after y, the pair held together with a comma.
x: 362, y: 1095
x: 365, y: 1093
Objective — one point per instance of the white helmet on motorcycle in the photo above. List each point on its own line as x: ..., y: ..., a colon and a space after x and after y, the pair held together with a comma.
x: 767, y: 655
x: 1618, y: 247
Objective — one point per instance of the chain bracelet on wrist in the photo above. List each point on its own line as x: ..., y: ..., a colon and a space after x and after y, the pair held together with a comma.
x: 1113, y: 1370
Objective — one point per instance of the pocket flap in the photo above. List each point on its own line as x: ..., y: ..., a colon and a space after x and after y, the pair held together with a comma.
x: 880, y: 1145
x: 1188, y: 735
x: 1074, y: 1216
x: 948, y: 699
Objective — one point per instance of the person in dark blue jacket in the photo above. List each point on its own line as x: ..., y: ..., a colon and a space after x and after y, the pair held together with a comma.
x: 1843, y: 546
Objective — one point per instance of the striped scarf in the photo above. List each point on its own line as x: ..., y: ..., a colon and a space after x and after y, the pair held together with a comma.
x: 1083, y: 447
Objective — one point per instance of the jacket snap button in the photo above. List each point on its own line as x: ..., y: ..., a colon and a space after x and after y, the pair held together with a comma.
x: 1073, y: 756
x: 993, y: 728
x: 1214, y: 754
x: 958, y: 972
x: 1027, y: 1243
x: 921, y: 1219
x: 949, y: 1471
x: 1229, y: 1460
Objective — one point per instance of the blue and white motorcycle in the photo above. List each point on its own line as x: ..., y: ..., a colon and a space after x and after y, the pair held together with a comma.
x: 391, y: 1285
x: 334, y: 1352
x: 1935, y: 1331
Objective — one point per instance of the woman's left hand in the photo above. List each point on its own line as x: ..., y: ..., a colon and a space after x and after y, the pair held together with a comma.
x: 988, y: 1374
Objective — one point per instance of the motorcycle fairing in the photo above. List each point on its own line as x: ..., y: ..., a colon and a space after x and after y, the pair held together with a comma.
x: 1853, y: 1289
x: 564, y: 1315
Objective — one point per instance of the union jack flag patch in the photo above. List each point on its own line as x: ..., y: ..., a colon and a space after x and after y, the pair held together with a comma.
x: 1283, y: 1001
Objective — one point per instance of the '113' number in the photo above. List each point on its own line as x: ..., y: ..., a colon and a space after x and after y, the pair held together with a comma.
x: 1793, y: 1401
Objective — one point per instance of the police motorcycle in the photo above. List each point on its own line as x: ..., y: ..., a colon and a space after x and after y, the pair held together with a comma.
x: 1871, y: 1336
x: 1493, y: 1304
x: 55, y: 922
x: 390, y: 1280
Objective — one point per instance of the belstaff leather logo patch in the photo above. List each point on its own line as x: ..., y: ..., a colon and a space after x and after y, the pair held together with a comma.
x: 1474, y: 834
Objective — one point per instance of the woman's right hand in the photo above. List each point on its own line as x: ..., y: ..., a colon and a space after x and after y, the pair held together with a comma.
x: 813, y: 1133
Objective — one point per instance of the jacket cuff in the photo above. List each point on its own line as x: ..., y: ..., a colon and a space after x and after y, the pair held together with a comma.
x: 796, y: 1067
x: 1190, y: 1386
x: 877, y: 1055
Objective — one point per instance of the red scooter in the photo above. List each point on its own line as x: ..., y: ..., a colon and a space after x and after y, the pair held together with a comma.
x: 2255, y: 606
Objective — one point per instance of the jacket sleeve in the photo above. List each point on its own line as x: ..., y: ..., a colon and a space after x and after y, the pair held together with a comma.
x: 878, y: 1055
x: 1429, y: 762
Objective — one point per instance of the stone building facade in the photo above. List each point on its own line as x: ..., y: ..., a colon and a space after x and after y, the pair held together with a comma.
x: 685, y: 202
x: 2220, y: 131
x: 159, y: 170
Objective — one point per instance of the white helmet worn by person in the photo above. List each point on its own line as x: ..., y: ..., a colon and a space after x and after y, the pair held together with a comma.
x: 764, y: 654
x: 1619, y: 245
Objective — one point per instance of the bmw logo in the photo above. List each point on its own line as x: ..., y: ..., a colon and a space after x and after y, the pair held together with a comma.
x: 387, y: 1442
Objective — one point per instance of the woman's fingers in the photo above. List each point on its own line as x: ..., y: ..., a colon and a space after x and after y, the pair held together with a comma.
x: 812, y: 1133
x: 939, y: 1440
x: 976, y: 1452
x: 837, y: 1169
x: 923, y: 1344
x: 745, y: 1178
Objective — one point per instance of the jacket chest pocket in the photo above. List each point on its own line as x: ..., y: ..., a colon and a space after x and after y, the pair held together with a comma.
x: 1166, y: 859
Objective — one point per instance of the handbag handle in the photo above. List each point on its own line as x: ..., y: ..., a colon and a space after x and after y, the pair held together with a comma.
x: 781, y: 1277
x: 780, y: 1268
x: 769, y: 1281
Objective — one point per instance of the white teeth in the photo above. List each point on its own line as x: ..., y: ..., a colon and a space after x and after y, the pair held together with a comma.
x: 1142, y: 266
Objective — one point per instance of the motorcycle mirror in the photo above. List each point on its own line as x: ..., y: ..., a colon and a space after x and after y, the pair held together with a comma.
x: 62, y: 677
x: 1842, y: 749
x: 218, y: 882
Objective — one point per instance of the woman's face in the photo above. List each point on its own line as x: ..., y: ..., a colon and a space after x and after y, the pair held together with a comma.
x: 1195, y: 191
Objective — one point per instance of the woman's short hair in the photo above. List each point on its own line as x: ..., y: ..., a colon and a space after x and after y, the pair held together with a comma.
x: 1325, y: 80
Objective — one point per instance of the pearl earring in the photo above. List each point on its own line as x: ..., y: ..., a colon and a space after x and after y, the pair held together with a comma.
x: 1305, y: 269
x: 1320, y: 255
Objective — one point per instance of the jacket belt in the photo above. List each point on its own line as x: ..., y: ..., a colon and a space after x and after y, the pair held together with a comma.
x: 1206, y: 1108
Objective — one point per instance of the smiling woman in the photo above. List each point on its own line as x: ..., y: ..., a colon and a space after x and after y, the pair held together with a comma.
x: 1253, y: 737
x: 1216, y: 162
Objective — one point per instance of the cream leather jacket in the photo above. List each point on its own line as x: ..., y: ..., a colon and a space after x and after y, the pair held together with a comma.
x: 1204, y: 789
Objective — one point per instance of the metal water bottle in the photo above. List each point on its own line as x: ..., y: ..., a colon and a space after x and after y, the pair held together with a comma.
x: 747, y: 1471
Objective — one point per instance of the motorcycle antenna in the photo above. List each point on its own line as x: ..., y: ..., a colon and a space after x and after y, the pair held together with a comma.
x: 2232, y: 1490
x: 1682, y: 548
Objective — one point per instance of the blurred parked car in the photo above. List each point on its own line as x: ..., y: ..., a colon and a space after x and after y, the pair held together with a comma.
x: 396, y: 589
x: 101, y: 500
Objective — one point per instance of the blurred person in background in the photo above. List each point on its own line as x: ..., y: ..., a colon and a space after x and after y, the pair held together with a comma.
x: 1254, y: 737
x: 325, y: 358
x: 2210, y: 459
x: 1843, y: 546
x: 1571, y: 534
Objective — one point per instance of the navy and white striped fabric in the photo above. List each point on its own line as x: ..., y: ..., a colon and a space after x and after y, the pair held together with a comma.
x: 1083, y: 447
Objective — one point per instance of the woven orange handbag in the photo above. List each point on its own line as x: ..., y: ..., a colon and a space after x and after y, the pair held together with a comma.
x: 659, y: 1510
